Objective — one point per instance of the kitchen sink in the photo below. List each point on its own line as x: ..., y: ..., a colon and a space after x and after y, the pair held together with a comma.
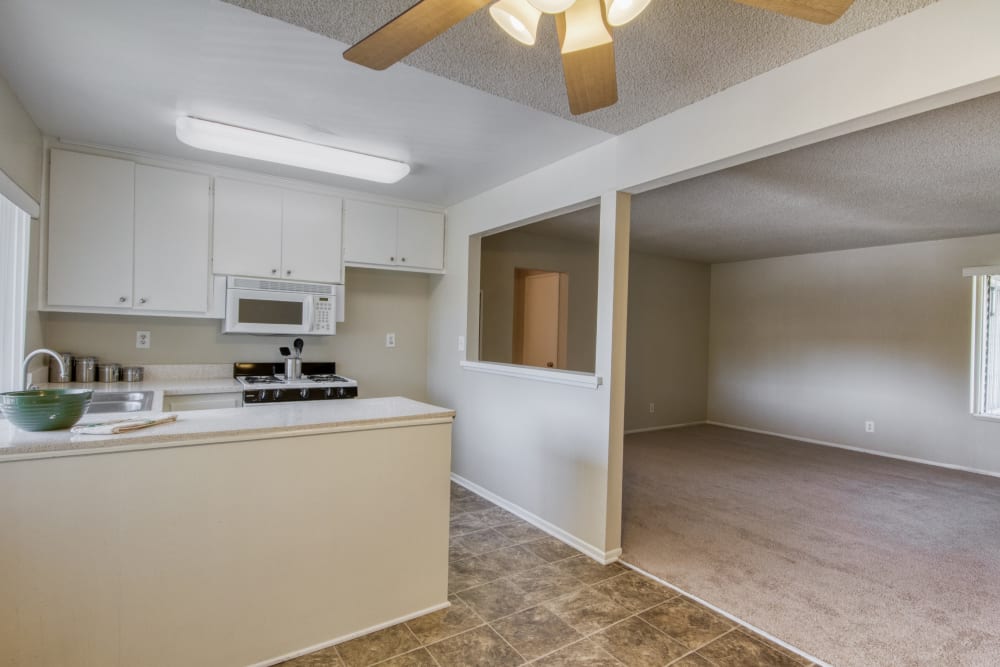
x: 120, y: 401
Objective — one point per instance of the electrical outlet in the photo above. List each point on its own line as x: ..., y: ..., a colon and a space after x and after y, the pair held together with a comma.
x: 142, y: 340
x: 390, y: 340
x: 869, y: 426
x: 652, y: 408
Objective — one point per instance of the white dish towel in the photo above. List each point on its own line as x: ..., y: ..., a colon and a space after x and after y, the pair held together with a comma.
x: 122, y: 425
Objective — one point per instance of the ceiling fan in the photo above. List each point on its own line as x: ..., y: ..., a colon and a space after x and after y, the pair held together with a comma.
x: 584, y: 29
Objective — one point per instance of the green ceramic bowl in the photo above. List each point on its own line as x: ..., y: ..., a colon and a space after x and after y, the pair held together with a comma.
x: 45, y: 409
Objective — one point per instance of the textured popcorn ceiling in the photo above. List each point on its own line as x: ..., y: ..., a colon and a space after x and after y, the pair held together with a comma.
x: 677, y: 51
x: 931, y: 176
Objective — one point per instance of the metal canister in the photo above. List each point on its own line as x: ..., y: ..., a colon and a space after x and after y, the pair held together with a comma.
x: 293, y: 368
x: 85, y: 369
x: 131, y: 374
x: 55, y: 375
x: 108, y: 372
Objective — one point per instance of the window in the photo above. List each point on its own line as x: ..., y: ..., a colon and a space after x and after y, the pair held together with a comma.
x: 986, y: 377
x: 14, y: 231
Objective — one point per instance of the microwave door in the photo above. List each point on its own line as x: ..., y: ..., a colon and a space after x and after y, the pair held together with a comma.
x: 260, y: 312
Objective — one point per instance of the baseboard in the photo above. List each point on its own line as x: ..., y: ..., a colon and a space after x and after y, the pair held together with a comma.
x: 663, y: 428
x: 862, y: 450
x: 354, y: 635
x: 723, y: 612
x: 587, y: 549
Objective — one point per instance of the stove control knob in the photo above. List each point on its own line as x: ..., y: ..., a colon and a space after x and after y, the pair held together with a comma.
x: 277, y: 394
x: 304, y: 393
x: 329, y: 392
x: 261, y: 395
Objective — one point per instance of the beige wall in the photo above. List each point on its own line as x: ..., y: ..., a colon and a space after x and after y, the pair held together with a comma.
x: 814, y: 345
x: 378, y: 302
x: 501, y: 254
x: 667, y: 362
x: 20, y: 144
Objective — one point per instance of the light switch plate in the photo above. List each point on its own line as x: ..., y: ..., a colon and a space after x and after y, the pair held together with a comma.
x: 390, y: 340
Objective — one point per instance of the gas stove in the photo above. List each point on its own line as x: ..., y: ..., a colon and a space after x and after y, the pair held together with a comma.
x: 263, y: 383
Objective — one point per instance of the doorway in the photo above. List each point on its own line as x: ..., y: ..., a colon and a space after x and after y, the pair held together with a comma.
x: 541, y: 317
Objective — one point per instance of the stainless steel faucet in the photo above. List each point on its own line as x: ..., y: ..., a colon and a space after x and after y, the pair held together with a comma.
x: 32, y: 355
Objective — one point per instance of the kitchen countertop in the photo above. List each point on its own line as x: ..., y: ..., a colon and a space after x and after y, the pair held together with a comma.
x: 226, y: 425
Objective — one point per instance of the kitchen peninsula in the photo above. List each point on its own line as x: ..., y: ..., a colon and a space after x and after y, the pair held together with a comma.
x: 231, y: 537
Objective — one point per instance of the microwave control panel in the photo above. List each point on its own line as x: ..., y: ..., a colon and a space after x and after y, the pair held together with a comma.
x: 323, y: 315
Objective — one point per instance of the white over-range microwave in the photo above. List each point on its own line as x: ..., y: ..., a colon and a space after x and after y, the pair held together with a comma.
x: 262, y: 306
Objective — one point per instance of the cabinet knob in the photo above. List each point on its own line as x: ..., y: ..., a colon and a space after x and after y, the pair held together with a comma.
x: 392, y: 259
x: 274, y: 272
x: 402, y: 259
x: 122, y: 299
x: 288, y: 272
x: 142, y: 300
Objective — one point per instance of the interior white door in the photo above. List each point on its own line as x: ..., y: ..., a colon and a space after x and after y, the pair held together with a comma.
x: 312, y: 233
x: 420, y: 239
x: 247, y: 236
x: 173, y: 214
x: 90, y: 216
x: 370, y: 233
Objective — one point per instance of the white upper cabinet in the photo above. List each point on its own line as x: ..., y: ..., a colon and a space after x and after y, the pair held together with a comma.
x: 90, y: 227
x: 369, y: 233
x: 420, y: 239
x: 311, y: 233
x: 270, y: 232
x: 247, y: 229
x: 173, y: 218
x: 127, y: 236
x: 377, y: 235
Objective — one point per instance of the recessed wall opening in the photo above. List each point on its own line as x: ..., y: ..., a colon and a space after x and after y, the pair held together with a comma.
x: 538, y: 293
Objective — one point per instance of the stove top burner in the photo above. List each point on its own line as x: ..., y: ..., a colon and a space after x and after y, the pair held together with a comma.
x: 260, y: 379
x: 327, y: 378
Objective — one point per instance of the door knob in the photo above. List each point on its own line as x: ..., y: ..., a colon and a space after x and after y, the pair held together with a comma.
x: 402, y: 259
x: 550, y: 364
x: 274, y: 272
x: 288, y: 272
x: 142, y: 300
x: 122, y: 299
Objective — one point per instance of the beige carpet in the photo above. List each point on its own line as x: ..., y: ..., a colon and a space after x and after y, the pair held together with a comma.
x: 857, y: 559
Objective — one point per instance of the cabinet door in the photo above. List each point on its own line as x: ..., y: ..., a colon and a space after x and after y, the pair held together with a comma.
x: 312, y: 230
x: 183, y: 402
x: 90, y: 231
x: 247, y: 237
x: 172, y: 227
x: 420, y: 239
x: 369, y: 233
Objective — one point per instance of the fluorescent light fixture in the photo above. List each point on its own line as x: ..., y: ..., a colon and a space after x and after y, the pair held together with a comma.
x: 585, y: 26
x: 518, y: 18
x: 552, y: 6
x: 621, y: 12
x: 231, y: 140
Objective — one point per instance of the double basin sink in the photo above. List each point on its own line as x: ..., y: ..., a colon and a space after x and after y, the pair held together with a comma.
x: 120, y: 401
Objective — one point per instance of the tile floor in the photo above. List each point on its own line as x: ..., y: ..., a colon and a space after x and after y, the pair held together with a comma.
x: 519, y: 596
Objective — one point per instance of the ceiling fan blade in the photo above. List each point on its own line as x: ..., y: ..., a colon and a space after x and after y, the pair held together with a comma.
x: 589, y: 68
x: 410, y: 30
x: 817, y: 11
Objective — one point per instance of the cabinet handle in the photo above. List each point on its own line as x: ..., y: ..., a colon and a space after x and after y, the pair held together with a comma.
x: 122, y: 299
x: 274, y: 272
x: 288, y: 272
x: 142, y: 300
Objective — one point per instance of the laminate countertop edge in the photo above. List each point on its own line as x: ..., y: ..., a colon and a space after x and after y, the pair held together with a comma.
x: 205, y: 427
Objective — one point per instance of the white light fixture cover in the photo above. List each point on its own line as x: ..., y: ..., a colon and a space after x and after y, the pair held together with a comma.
x: 621, y: 12
x: 552, y: 6
x: 221, y: 138
x: 518, y: 18
x: 585, y: 26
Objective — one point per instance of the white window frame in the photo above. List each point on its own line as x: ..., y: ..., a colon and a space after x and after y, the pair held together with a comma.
x: 15, y: 235
x: 985, y: 346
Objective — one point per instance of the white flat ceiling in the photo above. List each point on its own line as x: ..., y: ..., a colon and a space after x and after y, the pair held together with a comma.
x: 119, y: 72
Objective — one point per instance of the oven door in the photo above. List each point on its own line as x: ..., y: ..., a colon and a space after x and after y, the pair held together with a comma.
x: 259, y: 312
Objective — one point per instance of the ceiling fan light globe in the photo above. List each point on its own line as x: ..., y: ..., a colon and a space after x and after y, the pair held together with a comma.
x: 518, y: 18
x: 552, y: 6
x: 621, y: 12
